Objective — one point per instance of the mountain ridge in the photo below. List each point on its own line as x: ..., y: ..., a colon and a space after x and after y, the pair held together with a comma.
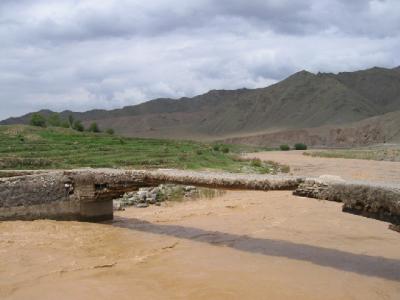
x: 302, y: 100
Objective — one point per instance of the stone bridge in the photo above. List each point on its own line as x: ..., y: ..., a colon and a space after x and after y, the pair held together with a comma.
x: 87, y: 194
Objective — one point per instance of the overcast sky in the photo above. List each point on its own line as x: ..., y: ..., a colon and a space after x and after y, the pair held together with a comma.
x: 83, y: 54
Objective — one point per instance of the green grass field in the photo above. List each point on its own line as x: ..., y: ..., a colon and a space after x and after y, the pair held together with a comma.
x: 27, y: 147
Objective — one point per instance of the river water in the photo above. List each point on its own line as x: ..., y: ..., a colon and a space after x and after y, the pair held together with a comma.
x: 242, y: 245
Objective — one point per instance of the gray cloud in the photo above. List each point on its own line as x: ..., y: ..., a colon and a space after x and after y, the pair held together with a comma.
x: 70, y: 54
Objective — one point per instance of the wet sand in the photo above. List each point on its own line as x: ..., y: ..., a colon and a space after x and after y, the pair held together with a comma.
x: 355, y: 169
x: 253, y: 245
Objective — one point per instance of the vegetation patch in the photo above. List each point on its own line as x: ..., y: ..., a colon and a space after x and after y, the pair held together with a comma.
x: 284, y: 147
x: 35, y: 147
x: 300, y: 146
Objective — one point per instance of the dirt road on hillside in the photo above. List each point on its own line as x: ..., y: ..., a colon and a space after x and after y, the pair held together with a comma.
x: 242, y: 245
x: 356, y: 169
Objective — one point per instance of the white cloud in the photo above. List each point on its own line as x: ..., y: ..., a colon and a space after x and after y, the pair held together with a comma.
x: 71, y: 54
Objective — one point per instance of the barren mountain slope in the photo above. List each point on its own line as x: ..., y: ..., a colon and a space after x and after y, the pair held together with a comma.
x: 379, y: 85
x: 378, y: 129
x: 303, y: 100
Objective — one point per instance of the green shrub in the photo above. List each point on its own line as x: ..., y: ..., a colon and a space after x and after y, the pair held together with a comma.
x: 225, y: 149
x: 54, y: 120
x: 78, y: 126
x: 64, y: 124
x: 284, y: 147
x: 38, y: 120
x: 110, y: 131
x: 71, y: 121
x: 94, y: 127
x: 300, y: 146
x: 216, y: 147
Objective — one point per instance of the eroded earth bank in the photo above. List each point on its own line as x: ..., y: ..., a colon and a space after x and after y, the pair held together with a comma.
x: 244, y: 244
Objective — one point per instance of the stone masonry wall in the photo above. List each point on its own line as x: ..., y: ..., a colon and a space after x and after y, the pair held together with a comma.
x: 373, y: 200
x: 87, y: 194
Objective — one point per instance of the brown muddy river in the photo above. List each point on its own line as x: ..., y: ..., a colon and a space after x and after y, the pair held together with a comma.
x: 242, y: 245
x: 351, y: 169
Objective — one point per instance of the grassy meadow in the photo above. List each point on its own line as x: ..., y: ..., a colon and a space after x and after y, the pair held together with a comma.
x: 29, y: 147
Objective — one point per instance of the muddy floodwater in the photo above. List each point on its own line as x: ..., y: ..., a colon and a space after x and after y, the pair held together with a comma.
x: 370, y: 170
x: 242, y: 245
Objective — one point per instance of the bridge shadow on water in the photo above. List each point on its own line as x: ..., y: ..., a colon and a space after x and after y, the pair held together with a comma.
x: 375, y: 266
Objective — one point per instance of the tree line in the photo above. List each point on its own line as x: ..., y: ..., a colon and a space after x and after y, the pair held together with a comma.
x: 54, y: 120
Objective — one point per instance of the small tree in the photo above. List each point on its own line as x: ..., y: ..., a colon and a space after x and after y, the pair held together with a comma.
x: 284, y: 147
x: 300, y: 146
x: 64, y: 124
x: 78, y: 126
x: 71, y: 121
x: 54, y: 120
x: 225, y: 149
x: 38, y: 120
x: 110, y: 131
x: 216, y: 147
x: 94, y: 127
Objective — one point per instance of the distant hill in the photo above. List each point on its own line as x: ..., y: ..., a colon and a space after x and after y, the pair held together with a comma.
x: 303, y: 100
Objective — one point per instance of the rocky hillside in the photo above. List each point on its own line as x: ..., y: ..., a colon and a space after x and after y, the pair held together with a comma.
x: 380, y: 86
x: 303, y: 100
x: 375, y: 130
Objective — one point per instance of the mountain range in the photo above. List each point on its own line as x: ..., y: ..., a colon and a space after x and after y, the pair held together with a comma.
x: 324, y: 109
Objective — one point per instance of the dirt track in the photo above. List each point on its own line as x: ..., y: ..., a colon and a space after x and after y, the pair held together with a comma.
x: 300, y: 164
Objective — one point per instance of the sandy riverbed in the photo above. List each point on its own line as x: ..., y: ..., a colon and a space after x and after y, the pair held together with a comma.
x: 384, y: 171
x: 242, y: 245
